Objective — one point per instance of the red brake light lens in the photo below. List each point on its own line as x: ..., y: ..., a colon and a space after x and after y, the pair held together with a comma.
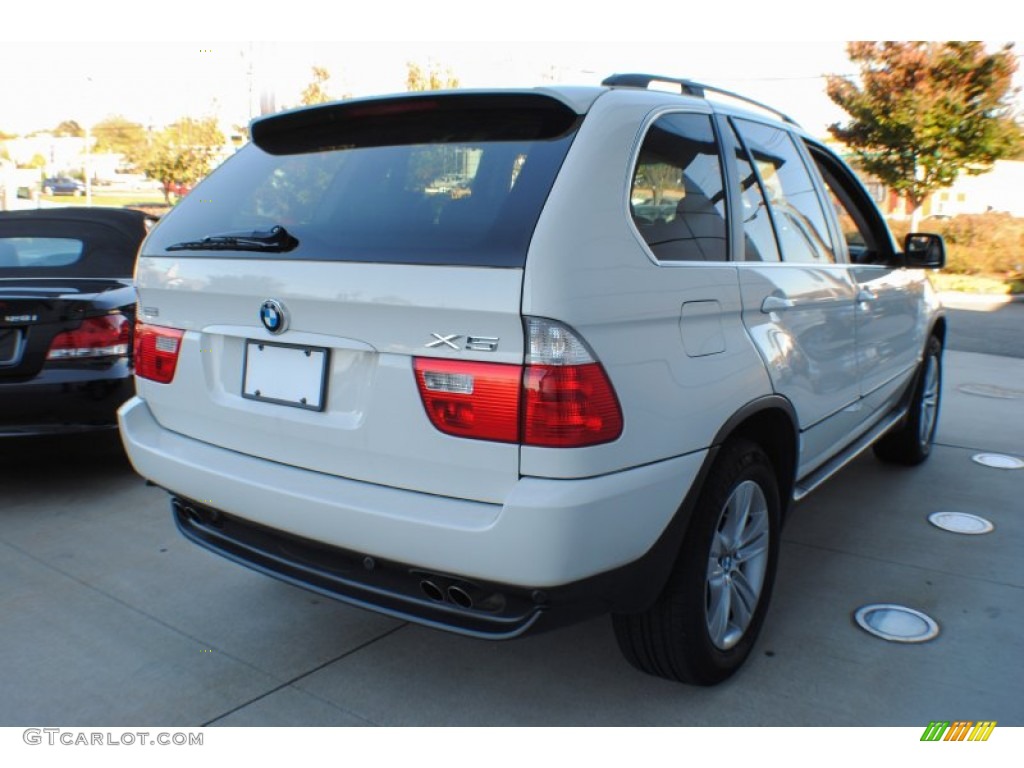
x: 569, y: 406
x: 104, y: 336
x: 469, y: 399
x: 156, y: 352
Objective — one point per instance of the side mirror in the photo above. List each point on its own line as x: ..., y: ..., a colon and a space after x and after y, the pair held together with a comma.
x: 924, y: 251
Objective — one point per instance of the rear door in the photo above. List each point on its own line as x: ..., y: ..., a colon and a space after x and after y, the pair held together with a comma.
x: 798, y: 296
x: 407, y: 223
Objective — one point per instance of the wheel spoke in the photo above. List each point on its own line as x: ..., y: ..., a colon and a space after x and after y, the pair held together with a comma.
x: 756, y: 531
x: 745, y: 602
x: 719, y: 598
x: 737, y: 510
x: 752, y: 550
x: 929, y: 401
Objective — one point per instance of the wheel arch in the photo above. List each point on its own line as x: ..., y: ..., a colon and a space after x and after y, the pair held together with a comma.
x: 771, y: 422
x: 938, y: 329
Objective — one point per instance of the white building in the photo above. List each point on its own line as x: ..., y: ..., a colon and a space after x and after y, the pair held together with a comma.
x: 1000, y: 190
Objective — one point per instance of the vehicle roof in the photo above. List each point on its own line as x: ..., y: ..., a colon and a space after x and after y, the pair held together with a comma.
x: 126, y: 220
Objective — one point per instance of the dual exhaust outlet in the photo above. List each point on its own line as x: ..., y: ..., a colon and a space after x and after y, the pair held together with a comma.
x: 457, y: 595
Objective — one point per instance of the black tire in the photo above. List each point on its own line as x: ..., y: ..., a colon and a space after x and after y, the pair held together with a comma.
x: 911, y: 442
x: 682, y: 637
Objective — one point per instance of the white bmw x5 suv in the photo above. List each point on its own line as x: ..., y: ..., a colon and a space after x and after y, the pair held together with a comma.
x: 494, y: 361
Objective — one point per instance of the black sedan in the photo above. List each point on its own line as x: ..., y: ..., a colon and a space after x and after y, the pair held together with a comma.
x: 67, y: 310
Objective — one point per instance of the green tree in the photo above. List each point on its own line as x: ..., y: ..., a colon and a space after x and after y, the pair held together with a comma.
x: 183, y: 152
x: 69, y: 128
x: 118, y: 134
x: 925, y: 111
x: 316, y: 91
x: 433, y: 79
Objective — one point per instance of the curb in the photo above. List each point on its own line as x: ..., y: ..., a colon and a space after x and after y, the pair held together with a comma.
x: 951, y: 298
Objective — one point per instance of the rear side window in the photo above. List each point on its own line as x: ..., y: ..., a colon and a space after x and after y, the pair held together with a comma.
x: 457, y: 180
x: 758, y: 235
x: 677, y: 198
x: 795, y: 206
x: 38, y: 252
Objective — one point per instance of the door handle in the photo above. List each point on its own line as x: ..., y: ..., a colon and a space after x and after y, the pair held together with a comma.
x: 776, y: 304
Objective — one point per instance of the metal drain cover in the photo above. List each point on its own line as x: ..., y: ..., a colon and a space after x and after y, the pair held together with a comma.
x: 960, y: 522
x: 998, y: 460
x: 896, y: 623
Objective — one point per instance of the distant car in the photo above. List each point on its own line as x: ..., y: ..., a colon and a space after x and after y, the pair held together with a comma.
x: 67, y: 308
x: 63, y: 186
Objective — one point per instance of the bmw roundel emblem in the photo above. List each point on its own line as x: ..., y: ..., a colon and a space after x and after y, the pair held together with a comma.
x: 273, y: 316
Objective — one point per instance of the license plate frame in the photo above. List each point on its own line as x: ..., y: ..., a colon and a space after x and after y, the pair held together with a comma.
x: 294, y: 375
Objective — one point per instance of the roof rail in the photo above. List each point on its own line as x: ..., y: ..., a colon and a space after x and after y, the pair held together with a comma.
x: 689, y: 88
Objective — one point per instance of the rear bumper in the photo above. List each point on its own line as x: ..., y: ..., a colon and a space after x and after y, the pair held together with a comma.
x: 582, y: 546
x: 66, y: 400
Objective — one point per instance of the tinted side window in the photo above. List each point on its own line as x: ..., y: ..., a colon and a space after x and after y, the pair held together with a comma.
x: 677, y: 198
x: 758, y: 234
x: 796, y: 209
x: 867, y: 237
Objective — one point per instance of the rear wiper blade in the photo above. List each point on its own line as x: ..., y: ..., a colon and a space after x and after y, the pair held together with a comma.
x: 276, y: 239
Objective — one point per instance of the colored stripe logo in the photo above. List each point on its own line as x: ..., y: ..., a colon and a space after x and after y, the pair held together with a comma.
x: 959, y: 730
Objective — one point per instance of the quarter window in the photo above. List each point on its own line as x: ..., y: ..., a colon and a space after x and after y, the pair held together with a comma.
x: 677, y: 197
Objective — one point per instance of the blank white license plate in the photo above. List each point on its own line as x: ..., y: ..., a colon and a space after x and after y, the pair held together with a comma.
x: 286, y: 375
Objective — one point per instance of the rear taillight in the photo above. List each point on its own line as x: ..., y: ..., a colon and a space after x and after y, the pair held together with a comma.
x: 561, y: 397
x: 104, y: 336
x: 467, y: 399
x: 156, y: 352
x: 569, y: 406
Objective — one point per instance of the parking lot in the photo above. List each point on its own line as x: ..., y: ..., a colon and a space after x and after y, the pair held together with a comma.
x: 111, y: 617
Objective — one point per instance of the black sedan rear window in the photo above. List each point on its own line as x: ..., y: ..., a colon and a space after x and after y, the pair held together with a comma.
x: 456, y: 179
x: 39, y: 252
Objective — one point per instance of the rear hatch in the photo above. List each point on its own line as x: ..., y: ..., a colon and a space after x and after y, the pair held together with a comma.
x: 314, y: 267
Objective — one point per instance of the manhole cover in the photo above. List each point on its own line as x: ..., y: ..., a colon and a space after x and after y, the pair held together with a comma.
x: 998, y: 460
x: 896, y: 623
x: 988, y: 390
x: 960, y: 522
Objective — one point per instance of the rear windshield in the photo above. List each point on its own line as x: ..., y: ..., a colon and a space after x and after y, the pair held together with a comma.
x: 38, y: 252
x: 429, y: 180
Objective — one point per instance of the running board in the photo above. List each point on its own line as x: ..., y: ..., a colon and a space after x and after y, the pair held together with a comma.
x: 811, y: 481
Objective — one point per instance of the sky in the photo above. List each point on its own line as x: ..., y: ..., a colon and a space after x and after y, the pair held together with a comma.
x: 198, y: 59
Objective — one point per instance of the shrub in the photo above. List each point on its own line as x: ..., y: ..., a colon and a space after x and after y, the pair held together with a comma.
x: 988, y: 244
